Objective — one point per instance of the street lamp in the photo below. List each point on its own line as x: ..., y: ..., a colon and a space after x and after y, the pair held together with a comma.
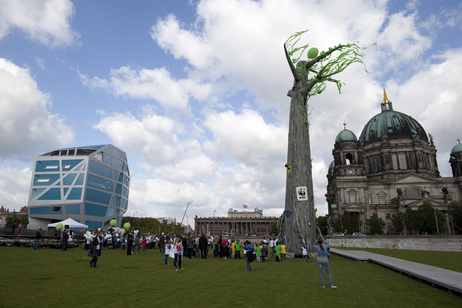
x: 187, y: 221
x: 214, y: 211
x: 134, y: 215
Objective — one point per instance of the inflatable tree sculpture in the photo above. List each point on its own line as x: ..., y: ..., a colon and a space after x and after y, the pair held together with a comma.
x: 297, y: 224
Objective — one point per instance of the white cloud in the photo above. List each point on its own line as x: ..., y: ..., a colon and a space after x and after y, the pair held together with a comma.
x: 43, y: 21
x: 153, y: 138
x: 155, y: 84
x: 402, y: 40
x: 40, y: 62
x: 245, y: 138
x: 14, y: 187
x: 26, y: 124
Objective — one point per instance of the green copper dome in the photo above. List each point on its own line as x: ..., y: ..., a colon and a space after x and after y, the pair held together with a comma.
x: 456, y: 149
x: 389, y: 125
x: 346, y: 135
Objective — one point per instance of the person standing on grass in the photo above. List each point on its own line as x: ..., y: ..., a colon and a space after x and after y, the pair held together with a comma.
x: 238, y: 249
x: 168, y: 246
x: 203, y: 243
x: 178, y: 253
x: 259, y: 252
x: 95, y: 248
x: 304, y: 253
x: 277, y: 250
x: 272, y: 245
x: 196, y: 245
x: 224, y: 248
x: 137, y: 243
x: 190, y: 247
x: 20, y: 228
x: 38, y: 237
x: 248, y: 255
x: 64, y: 239
x: 161, y: 243
x: 322, y: 251
x: 283, y: 251
x: 215, y: 246
x: 263, y: 252
x: 129, y: 243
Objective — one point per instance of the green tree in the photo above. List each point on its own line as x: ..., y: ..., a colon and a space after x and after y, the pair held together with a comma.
x: 151, y: 225
x: 375, y: 224
x: 274, y: 229
x: 410, y: 220
x: 398, y: 221
x: 456, y: 214
x: 426, y: 218
x: 348, y: 221
x: 322, y: 224
x: 17, y: 219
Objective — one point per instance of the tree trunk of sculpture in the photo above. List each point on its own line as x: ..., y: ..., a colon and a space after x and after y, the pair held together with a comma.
x: 297, y: 222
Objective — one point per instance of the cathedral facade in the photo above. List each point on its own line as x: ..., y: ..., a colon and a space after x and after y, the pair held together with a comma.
x: 391, y: 167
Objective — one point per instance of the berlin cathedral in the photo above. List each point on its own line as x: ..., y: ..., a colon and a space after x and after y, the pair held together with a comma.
x: 391, y: 167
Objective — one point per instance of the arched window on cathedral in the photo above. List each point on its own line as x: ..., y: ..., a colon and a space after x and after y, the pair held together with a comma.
x: 349, y: 159
x: 402, y: 161
x: 395, y: 161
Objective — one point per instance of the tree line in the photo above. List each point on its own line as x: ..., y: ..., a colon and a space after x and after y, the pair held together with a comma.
x: 425, y: 220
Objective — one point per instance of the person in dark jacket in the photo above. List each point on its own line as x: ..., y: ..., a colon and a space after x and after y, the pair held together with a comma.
x: 38, y: 237
x: 203, y: 242
x: 64, y: 239
x: 129, y: 243
x: 95, y: 247
x: 190, y: 247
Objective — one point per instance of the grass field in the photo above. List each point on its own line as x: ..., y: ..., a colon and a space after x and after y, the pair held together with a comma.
x: 444, y: 259
x: 52, y: 278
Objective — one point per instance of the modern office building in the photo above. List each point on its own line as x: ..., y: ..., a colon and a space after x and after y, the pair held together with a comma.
x: 88, y: 184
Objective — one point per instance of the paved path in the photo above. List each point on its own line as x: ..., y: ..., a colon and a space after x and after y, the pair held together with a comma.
x: 438, y: 277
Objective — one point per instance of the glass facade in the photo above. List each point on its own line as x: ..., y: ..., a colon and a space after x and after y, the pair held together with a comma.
x: 88, y: 184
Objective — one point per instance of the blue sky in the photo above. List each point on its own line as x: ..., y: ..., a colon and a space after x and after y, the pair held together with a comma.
x: 195, y: 91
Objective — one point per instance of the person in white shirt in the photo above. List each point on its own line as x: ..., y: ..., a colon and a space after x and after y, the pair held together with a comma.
x: 304, y: 253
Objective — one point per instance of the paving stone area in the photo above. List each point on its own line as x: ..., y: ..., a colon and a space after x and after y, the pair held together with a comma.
x: 444, y: 279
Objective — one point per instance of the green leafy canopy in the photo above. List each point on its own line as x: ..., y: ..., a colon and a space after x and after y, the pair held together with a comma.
x: 325, y: 65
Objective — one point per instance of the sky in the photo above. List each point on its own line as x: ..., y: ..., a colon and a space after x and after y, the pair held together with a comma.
x: 195, y: 92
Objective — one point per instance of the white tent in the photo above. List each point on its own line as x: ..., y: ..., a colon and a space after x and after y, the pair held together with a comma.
x: 69, y: 222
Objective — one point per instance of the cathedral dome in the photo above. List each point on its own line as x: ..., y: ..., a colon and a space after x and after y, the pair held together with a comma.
x: 345, y: 135
x: 390, y: 124
x: 456, y: 149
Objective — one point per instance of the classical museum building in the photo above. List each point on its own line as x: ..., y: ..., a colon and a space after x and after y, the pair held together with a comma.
x: 392, y: 166
x: 236, y: 224
x: 88, y: 184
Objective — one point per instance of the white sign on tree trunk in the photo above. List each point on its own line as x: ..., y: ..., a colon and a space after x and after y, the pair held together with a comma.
x: 302, y: 194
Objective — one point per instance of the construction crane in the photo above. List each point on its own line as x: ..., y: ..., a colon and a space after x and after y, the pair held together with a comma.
x: 185, y: 212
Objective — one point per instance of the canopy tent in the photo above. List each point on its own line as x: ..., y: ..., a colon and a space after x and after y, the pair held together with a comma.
x: 69, y: 222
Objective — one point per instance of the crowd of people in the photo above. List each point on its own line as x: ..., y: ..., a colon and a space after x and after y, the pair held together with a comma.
x: 195, y: 246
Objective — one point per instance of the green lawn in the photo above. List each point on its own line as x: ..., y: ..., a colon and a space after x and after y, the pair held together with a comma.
x: 52, y: 278
x: 444, y: 259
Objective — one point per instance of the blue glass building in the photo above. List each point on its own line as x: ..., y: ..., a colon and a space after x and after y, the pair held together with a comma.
x: 88, y: 184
